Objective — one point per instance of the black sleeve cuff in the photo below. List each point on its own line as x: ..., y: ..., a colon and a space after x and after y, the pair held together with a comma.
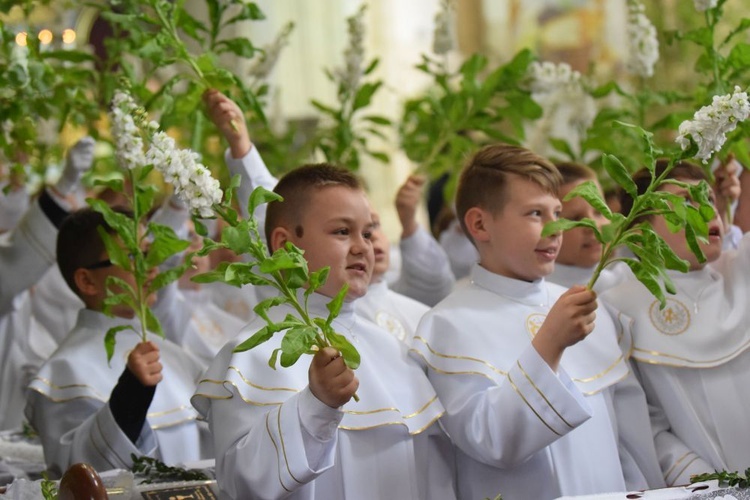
x: 52, y: 210
x: 129, y: 404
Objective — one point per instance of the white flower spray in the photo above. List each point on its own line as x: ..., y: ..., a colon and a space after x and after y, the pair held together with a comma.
x: 442, y: 40
x: 568, y: 109
x: 182, y: 168
x: 354, y: 55
x: 704, y: 5
x: 264, y: 64
x: 643, y: 43
x: 710, y: 125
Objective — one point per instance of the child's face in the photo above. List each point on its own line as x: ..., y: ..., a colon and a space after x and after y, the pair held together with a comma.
x: 580, y: 247
x: 336, y: 232
x: 513, y: 244
x: 380, y: 249
x: 677, y: 241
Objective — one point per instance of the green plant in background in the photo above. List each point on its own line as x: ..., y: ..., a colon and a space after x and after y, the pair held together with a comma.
x: 49, y: 488
x: 42, y: 90
x: 344, y: 132
x: 460, y: 110
x: 178, y: 57
x: 150, y: 470
x: 285, y: 271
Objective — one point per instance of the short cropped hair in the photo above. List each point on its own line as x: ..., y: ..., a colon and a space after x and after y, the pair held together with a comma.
x: 484, y: 178
x: 79, y: 244
x: 642, y: 179
x: 297, y: 187
x: 573, y: 172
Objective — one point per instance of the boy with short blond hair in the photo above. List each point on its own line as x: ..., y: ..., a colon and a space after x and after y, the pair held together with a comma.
x: 88, y: 410
x: 294, y: 432
x: 539, y: 402
x: 692, y: 355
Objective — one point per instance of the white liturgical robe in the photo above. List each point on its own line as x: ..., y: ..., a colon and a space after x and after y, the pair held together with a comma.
x: 274, y: 439
x: 67, y: 402
x: 693, y: 361
x: 391, y: 311
x: 521, y: 429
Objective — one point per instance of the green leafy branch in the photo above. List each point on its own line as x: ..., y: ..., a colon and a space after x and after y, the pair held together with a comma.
x: 441, y: 127
x: 286, y: 271
x: 150, y: 470
x: 653, y: 254
x: 725, y: 478
x: 41, y: 91
x: 49, y: 487
x: 346, y: 136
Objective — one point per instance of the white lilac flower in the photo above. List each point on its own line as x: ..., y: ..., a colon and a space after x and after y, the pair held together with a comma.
x: 267, y: 61
x: 128, y: 141
x: 547, y: 77
x: 642, y: 41
x: 192, y: 181
x: 704, y: 5
x: 568, y: 110
x: 354, y: 54
x: 442, y: 40
x: 711, y: 124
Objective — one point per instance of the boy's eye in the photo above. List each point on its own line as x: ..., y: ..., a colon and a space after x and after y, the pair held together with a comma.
x: 342, y: 231
x: 367, y: 235
x: 536, y: 213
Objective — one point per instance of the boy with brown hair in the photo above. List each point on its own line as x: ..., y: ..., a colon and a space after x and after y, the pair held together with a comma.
x: 294, y: 432
x: 692, y: 355
x: 82, y: 411
x: 528, y: 382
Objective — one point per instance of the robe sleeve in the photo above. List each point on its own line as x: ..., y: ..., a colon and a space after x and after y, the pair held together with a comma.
x: 264, y: 452
x: 253, y: 173
x: 638, y: 456
x: 84, y: 430
x: 502, y: 425
x: 426, y: 273
x: 30, y: 252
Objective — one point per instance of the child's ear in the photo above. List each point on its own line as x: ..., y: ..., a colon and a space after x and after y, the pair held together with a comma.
x: 476, y: 219
x: 279, y: 236
x: 85, y: 283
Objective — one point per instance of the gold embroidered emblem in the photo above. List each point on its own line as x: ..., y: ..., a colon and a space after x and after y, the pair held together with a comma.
x: 534, y: 323
x: 674, y: 319
x: 393, y: 325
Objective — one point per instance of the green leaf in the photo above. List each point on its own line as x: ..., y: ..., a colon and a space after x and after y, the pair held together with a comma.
x: 282, y: 260
x: 334, y: 305
x: 619, y: 174
x: 262, y: 335
x: 377, y: 119
x: 262, y: 307
x: 560, y: 225
x: 74, y: 56
x: 348, y: 351
x: 165, y: 244
x: 739, y: 57
x: 609, y: 231
x: 696, y: 222
x: 249, y: 12
x: 259, y: 196
x: 152, y: 323
x: 563, y: 147
x: 364, y: 95
x: 241, y: 273
x: 274, y: 357
x: 648, y: 280
x: 239, y: 46
x: 235, y: 239
x: 118, y: 255
x: 109, y: 339
x: 296, y: 342
x: 590, y: 192
x: 317, y: 279
x: 692, y: 241
x: 121, y: 223
x: 168, y: 276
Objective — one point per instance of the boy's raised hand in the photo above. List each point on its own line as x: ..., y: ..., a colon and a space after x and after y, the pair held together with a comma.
x: 331, y: 381
x: 144, y: 363
x: 407, y: 200
x: 228, y: 118
x: 569, y: 321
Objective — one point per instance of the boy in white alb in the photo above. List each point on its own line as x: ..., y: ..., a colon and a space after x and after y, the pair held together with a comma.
x: 691, y: 356
x: 539, y: 402
x: 86, y: 410
x: 294, y: 432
